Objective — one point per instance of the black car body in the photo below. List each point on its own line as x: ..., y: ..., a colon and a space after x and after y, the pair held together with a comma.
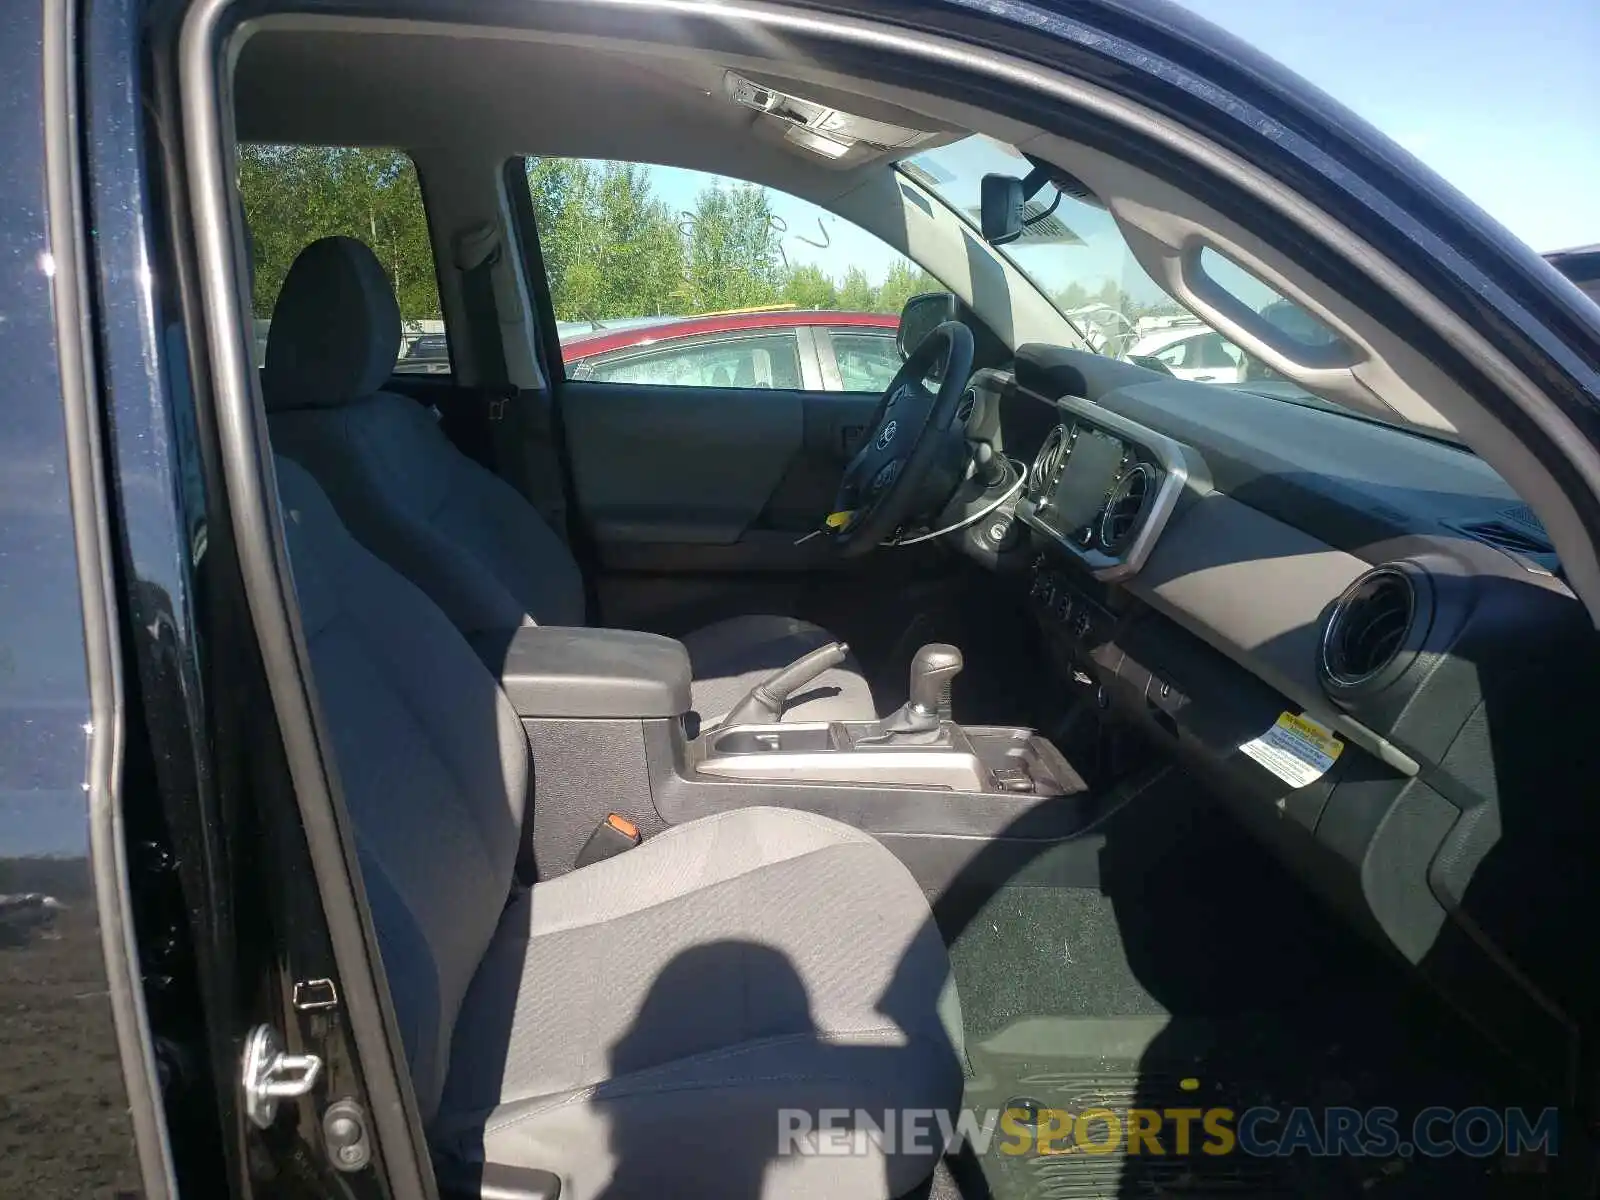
x: 161, y: 895
x: 1581, y: 264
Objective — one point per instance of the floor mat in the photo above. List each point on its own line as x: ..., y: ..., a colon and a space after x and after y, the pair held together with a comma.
x: 1190, y: 972
x: 1043, y: 1068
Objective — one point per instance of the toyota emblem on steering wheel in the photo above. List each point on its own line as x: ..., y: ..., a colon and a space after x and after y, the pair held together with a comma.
x: 887, y: 435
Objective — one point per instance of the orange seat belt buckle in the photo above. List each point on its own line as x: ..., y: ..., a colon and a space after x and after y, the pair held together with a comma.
x: 609, y: 839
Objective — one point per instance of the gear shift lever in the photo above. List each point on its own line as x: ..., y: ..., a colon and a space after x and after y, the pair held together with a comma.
x: 933, y: 670
x: 927, y: 705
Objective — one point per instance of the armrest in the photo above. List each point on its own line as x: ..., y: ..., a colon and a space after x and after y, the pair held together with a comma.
x: 556, y: 671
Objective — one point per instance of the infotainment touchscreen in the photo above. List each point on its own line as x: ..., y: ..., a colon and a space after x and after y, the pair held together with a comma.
x: 1086, y: 480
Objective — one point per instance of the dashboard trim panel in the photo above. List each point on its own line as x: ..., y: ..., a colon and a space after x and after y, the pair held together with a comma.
x: 1174, y: 464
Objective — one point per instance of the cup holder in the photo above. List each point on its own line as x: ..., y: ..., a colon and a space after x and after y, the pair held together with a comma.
x: 774, y: 740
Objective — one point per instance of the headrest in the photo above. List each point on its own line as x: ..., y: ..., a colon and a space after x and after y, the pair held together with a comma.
x: 335, y: 329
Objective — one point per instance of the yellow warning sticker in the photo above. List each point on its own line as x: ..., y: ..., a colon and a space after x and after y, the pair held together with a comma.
x: 1297, y: 750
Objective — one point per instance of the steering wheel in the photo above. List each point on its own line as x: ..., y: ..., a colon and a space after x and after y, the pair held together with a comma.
x: 908, y: 441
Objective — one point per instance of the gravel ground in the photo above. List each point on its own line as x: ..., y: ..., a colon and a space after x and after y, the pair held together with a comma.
x: 64, y: 1128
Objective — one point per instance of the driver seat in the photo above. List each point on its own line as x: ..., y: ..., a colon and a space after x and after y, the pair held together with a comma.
x: 463, y: 535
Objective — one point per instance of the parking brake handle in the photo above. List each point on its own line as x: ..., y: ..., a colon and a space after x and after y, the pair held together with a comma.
x: 764, y: 704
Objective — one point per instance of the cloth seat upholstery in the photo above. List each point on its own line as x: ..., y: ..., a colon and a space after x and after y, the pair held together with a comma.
x: 638, y: 1026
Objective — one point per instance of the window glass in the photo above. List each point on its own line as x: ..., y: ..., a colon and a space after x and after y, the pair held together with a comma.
x: 867, y: 362
x: 1175, y: 355
x: 1300, y: 326
x: 1272, y: 305
x: 294, y: 195
x: 1204, y: 351
x: 1070, y: 247
x: 763, y: 361
x: 1212, y: 351
x: 630, y: 248
x: 1073, y: 251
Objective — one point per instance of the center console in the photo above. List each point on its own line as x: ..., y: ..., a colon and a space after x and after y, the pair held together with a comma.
x: 918, y: 746
x: 962, y: 759
x: 607, y: 714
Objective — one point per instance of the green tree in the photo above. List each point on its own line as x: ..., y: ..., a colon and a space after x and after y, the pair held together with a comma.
x: 611, y: 248
x: 856, y: 293
x: 1110, y: 294
x: 294, y: 195
x: 904, y: 280
x: 807, y: 286
x: 562, y: 190
x: 734, y: 260
x: 1074, y: 295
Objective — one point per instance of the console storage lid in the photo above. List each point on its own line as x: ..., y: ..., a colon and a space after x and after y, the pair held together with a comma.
x: 560, y: 671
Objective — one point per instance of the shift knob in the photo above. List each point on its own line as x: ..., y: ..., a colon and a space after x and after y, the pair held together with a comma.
x: 933, y: 670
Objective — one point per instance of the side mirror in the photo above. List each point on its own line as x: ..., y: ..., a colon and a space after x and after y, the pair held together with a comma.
x: 1000, y: 209
x: 920, y: 317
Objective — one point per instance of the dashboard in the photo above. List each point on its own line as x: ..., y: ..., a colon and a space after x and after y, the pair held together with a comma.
x: 1102, y: 487
x: 1356, y: 637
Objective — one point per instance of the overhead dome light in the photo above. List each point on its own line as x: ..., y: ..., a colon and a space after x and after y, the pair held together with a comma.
x: 817, y: 143
x: 835, y: 126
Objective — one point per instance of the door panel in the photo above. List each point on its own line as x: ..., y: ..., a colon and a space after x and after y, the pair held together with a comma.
x: 685, y: 467
x: 835, y: 423
x: 698, y: 498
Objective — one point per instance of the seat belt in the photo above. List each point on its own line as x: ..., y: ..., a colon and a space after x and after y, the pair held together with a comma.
x: 520, y: 431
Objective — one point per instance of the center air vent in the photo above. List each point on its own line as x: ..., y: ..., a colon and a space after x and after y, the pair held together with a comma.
x: 1047, y: 466
x: 1368, y: 627
x: 1126, y: 506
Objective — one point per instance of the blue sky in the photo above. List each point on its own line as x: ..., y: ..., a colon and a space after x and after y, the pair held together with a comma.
x: 1503, y: 100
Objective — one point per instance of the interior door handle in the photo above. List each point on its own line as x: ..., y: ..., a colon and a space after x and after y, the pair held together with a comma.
x: 849, y: 436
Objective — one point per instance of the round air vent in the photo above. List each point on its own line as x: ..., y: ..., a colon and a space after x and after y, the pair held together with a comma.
x: 1126, y: 505
x: 1047, y: 465
x: 1368, y: 627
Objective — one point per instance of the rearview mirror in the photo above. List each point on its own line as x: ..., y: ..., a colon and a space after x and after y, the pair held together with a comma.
x: 920, y: 317
x: 1000, y: 209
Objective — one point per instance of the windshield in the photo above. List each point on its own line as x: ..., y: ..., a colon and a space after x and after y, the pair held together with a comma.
x: 1073, y: 252
x: 1075, y: 255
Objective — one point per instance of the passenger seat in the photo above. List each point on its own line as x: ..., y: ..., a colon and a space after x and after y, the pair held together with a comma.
x: 639, y: 1026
